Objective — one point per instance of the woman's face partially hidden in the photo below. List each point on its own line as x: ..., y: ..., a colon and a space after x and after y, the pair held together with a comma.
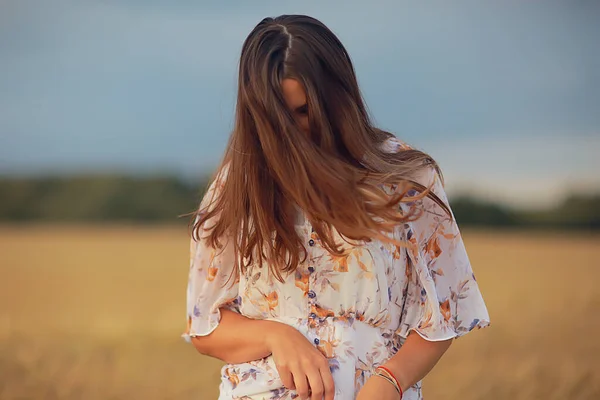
x: 295, y: 97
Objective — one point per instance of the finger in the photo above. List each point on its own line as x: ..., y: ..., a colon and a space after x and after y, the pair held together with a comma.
x: 286, y: 376
x: 300, y: 383
x: 328, y: 383
x: 316, y: 384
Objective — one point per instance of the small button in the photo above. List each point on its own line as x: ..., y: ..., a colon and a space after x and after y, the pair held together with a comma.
x: 311, y: 242
x: 312, y: 315
x: 312, y: 294
x: 316, y: 341
x: 311, y: 269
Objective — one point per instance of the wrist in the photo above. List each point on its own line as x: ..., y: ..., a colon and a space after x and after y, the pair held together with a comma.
x: 396, y: 370
x: 387, y: 374
x: 272, y: 332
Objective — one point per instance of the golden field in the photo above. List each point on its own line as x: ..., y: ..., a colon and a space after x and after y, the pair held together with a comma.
x: 96, y: 313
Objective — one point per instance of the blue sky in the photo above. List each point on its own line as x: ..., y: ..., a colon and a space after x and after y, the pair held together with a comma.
x: 504, y: 94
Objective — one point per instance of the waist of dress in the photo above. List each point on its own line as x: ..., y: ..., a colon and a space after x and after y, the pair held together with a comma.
x: 345, y: 322
x: 335, y: 335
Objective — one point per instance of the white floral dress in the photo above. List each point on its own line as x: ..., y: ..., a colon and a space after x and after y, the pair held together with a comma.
x: 357, y: 309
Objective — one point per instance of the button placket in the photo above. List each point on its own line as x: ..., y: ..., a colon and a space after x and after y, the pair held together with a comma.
x: 311, y: 294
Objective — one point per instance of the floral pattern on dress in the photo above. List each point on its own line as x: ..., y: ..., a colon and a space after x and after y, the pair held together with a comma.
x: 357, y: 309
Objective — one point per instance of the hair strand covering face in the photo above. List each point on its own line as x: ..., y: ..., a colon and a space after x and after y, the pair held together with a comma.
x: 331, y: 173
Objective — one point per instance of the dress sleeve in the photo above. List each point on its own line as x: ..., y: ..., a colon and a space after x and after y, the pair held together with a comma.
x: 441, y: 297
x: 209, y: 284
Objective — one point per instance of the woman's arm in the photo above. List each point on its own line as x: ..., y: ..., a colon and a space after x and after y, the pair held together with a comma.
x: 301, y: 366
x: 237, y: 339
x: 415, y: 359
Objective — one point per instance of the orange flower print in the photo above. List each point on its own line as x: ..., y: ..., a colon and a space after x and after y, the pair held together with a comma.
x: 359, y: 316
x: 347, y: 316
x: 445, y: 309
x: 428, y: 322
x: 232, y: 377
x: 272, y: 300
x: 212, y: 273
x: 344, y: 319
x: 340, y: 263
x: 326, y: 348
x: 366, y: 273
x: 302, y: 281
x: 322, y: 312
x: 433, y: 247
x: 397, y: 253
x: 413, y: 247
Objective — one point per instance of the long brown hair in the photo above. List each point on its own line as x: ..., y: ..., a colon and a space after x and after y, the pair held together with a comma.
x: 272, y: 166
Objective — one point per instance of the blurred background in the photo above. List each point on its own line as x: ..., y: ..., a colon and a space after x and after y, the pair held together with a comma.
x: 114, y: 114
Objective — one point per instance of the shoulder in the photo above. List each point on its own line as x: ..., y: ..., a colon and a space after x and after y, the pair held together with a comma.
x: 428, y: 175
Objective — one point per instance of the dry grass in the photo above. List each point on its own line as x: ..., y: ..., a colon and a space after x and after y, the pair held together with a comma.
x: 95, y: 313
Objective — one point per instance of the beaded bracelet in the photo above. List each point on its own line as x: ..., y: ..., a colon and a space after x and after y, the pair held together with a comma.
x: 389, y: 376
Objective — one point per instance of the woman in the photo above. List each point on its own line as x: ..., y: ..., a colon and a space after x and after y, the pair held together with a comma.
x: 325, y: 261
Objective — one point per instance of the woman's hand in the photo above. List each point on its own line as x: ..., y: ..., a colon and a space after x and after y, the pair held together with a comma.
x: 300, y: 365
x: 378, y: 388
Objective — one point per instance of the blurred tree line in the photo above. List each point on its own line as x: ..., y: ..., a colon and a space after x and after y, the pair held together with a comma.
x: 114, y: 198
